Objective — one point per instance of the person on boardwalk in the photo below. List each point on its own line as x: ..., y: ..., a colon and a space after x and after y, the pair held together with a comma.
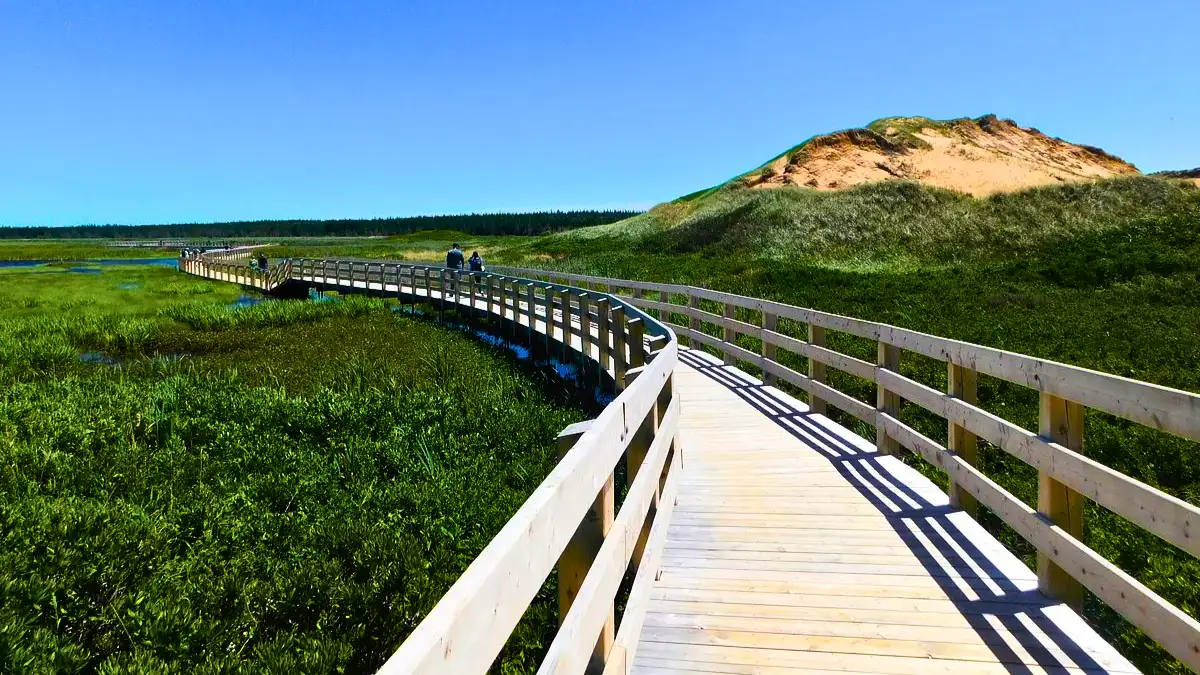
x: 454, y: 257
x: 475, y: 263
x: 262, y: 262
x: 454, y: 260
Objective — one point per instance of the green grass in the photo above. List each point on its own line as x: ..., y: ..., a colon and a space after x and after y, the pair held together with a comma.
x: 83, y: 249
x: 893, y: 223
x: 288, y: 487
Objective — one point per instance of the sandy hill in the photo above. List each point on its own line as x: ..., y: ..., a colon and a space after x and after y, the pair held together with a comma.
x: 976, y: 156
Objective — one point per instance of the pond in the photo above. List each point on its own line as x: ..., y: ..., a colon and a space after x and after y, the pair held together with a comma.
x: 247, y: 301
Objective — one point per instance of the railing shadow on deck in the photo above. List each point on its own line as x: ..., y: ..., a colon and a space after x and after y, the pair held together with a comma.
x: 905, y: 509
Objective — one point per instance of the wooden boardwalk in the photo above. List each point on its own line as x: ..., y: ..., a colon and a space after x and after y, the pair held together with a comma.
x: 783, y: 541
x: 794, y: 548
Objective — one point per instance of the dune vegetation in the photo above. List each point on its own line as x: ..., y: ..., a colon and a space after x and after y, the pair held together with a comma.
x: 187, y: 486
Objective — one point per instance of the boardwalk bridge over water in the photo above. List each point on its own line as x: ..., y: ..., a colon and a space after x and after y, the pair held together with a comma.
x: 761, y: 535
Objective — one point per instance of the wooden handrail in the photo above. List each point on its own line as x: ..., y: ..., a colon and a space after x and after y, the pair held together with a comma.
x: 1065, y: 564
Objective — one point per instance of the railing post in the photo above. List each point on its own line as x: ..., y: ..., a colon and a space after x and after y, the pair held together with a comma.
x: 603, y: 351
x: 549, y: 298
x: 770, y: 322
x: 412, y: 287
x: 962, y: 383
x: 471, y: 298
x: 510, y: 330
x: 816, y: 369
x: 577, y: 557
x: 531, y: 311
x: 442, y: 286
x: 620, y: 357
x: 887, y: 401
x: 1060, y: 421
x: 730, y: 335
x: 635, y: 456
x: 693, y: 322
x: 637, y: 344
x: 489, y: 290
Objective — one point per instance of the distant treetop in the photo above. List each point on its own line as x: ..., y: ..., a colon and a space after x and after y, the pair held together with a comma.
x: 477, y: 224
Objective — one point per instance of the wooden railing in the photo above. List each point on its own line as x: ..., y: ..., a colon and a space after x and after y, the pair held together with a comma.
x: 570, y: 521
x: 1065, y: 565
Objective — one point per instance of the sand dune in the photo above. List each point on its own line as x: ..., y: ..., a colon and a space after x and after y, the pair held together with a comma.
x: 979, y: 157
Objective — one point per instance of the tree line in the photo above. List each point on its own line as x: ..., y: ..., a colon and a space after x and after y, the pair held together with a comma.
x: 476, y: 223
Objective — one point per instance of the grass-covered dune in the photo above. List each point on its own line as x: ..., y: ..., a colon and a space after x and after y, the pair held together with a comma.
x: 886, y: 222
x: 287, y: 487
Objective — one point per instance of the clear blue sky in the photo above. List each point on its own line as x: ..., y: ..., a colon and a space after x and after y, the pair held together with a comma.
x: 174, y: 111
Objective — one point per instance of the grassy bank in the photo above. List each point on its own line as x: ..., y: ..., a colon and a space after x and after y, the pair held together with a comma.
x: 281, y: 488
x: 43, y: 249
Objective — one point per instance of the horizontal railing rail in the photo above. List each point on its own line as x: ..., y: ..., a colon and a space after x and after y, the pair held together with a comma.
x: 570, y: 522
x: 1065, y: 565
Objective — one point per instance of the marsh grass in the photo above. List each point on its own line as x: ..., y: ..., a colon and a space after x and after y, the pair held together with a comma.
x: 287, y: 487
x: 57, y: 249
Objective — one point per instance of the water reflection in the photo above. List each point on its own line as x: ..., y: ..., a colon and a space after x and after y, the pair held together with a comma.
x: 98, y: 359
x: 567, y: 371
x: 246, y: 301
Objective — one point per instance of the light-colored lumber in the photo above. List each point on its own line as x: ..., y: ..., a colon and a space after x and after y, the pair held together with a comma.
x: 581, y: 552
x: 592, y: 615
x: 1168, y: 517
x: 887, y: 401
x: 962, y: 384
x: 1062, y: 422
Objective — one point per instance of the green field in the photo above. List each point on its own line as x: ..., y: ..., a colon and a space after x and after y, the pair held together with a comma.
x: 287, y: 487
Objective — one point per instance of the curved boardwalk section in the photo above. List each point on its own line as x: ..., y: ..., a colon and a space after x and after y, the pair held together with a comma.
x: 763, y: 537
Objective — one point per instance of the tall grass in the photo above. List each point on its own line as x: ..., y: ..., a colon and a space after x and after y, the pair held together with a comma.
x: 888, y: 221
x: 293, y: 495
x: 208, y: 317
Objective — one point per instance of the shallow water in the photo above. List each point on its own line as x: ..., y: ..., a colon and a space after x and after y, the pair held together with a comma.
x: 568, y: 373
x: 247, y: 301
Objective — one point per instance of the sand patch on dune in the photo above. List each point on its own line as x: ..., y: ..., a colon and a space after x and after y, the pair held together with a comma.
x: 978, y: 157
